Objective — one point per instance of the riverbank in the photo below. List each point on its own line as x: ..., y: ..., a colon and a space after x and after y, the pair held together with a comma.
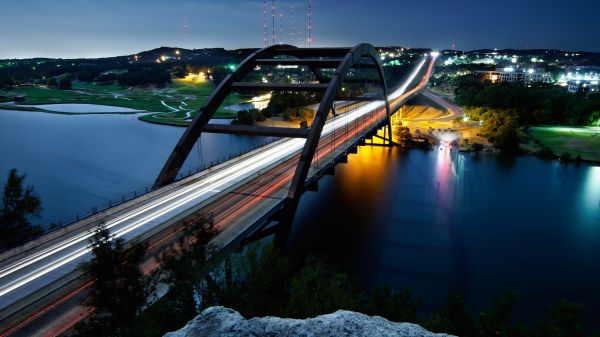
x: 576, y: 141
x: 176, y: 104
x: 72, y: 109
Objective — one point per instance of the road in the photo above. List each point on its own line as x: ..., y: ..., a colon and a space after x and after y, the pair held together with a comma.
x: 235, y: 188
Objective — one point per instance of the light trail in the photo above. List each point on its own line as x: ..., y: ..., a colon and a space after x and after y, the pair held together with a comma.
x: 199, y: 191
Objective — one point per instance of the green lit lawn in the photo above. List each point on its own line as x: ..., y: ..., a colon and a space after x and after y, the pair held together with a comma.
x: 584, y: 141
x: 182, y: 96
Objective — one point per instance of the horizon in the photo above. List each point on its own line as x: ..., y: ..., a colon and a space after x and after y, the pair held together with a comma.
x: 94, y: 30
x: 256, y: 48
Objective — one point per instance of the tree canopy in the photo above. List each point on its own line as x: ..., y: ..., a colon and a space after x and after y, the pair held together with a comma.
x: 19, y: 204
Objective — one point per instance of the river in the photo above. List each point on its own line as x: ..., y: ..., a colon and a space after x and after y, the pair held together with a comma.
x: 437, y: 221
x: 441, y: 221
x: 77, y: 162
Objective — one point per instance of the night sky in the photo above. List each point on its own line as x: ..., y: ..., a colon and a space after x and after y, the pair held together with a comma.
x: 94, y: 28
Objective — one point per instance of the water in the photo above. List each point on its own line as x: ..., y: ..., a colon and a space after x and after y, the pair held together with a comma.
x: 435, y: 221
x: 76, y: 162
x: 76, y: 108
x: 440, y: 221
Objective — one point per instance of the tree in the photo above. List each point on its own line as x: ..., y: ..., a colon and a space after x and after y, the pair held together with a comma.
x: 65, y: 83
x: 52, y: 82
x: 319, y: 289
x: 562, y: 320
x: 183, y: 267
x: 120, y: 290
x: 259, y: 282
x: 19, y: 203
x: 565, y: 158
x: 395, y: 305
x: 477, y: 147
x: 454, y: 318
x: 404, y: 137
x: 9, y: 82
x: 497, y: 319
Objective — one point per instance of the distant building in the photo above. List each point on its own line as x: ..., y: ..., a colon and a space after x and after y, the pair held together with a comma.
x: 515, y: 75
x: 583, y: 86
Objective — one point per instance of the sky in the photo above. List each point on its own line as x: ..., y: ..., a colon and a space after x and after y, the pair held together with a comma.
x: 98, y: 28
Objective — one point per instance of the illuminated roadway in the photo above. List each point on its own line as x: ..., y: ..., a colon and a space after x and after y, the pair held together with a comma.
x: 230, y: 191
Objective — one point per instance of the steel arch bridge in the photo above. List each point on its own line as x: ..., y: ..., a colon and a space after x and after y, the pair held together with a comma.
x: 343, y: 60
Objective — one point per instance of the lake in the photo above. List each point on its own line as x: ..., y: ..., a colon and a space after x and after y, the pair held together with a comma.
x: 437, y: 221
x: 443, y: 221
x: 76, y: 162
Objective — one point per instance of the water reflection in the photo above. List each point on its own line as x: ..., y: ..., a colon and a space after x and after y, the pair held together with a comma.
x: 591, y: 191
x: 445, y: 174
x: 440, y: 221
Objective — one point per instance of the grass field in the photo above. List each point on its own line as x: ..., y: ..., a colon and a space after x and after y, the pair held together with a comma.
x: 583, y: 141
x: 172, y: 105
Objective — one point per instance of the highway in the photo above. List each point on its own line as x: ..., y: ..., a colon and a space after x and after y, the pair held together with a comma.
x: 454, y: 110
x: 228, y: 192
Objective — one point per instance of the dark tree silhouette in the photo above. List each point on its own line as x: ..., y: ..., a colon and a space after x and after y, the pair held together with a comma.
x: 19, y: 203
x: 120, y: 290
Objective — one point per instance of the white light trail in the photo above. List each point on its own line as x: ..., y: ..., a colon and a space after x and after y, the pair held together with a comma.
x: 197, y: 192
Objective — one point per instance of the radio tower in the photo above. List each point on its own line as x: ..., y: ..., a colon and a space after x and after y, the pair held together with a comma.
x: 186, y: 32
x: 273, y: 16
x: 266, y: 39
x: 309, y: 28
x: 280, y: 28
x: 292, y: 26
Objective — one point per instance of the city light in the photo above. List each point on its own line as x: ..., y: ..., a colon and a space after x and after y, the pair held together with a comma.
x: 198, y: 78
x: 435, y: 54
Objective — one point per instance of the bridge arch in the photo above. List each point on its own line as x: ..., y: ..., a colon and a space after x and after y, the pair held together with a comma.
x: 340, y: 59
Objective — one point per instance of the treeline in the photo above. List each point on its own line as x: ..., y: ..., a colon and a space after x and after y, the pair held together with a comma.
x: 87, y: 70
x: 288, y: 105
x: 284, y: 102
x: 260, y: 281
x: 144, y: 76
x: 542, y: 104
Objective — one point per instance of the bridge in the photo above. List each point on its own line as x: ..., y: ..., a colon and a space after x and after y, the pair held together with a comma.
x: 41, y: 284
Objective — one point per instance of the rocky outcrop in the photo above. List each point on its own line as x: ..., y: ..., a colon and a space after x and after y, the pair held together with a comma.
x: 220, y: 321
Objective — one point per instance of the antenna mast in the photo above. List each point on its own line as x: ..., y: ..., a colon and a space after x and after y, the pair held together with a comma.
x: 186, y: 32
x: 266, y: 32
x: 280, y: 28
x: 309, y: 23
x: 292, y: 26
x: 273, y: 16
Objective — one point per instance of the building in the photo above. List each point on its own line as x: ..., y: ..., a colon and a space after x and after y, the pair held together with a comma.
x: 583, y: 86
x: 515, y: 75
x: 535, y: 76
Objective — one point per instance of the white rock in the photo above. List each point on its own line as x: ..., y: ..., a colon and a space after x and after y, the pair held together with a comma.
x: 220, y: 321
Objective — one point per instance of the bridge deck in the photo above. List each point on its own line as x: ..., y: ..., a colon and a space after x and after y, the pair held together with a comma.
x: 241, y: 193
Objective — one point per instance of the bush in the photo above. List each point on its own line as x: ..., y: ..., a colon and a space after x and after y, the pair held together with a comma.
x: 65, y: 83
x: 565, y: 158
x: 546, y: 153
